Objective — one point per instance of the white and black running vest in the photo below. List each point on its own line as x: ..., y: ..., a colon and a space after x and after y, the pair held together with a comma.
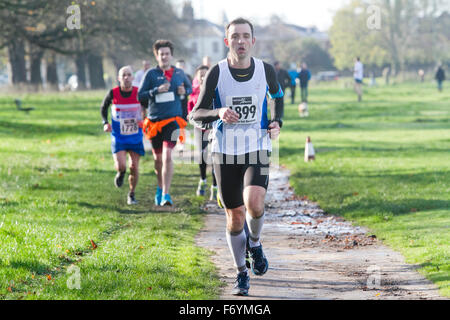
x: 249, y: 100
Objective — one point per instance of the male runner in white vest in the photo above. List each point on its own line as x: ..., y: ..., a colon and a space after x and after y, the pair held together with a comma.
x: 234, y: 97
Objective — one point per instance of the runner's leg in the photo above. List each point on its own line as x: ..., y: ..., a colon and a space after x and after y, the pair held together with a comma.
x: 134, y: 170
x: 167, y: 167
x: 230, y: 180
x: 254, y: 202
x: 120, y: 161
x: 236, y: 237
x: 157, y: 157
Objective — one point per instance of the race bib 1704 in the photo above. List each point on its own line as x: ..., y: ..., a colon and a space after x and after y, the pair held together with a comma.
x: 246, y: 108
x: 128, y: 126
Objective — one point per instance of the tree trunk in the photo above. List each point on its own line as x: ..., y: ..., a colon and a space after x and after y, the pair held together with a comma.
x: 52, y: 75
x: 35, y: 67
x: 80, y: 62
x: 16, y: 52
x: 95, y: 64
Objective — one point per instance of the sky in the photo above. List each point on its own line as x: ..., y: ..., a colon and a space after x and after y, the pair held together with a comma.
x: 304, y: 13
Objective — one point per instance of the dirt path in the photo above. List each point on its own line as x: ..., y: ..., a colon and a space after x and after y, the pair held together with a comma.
x: 313, y: 255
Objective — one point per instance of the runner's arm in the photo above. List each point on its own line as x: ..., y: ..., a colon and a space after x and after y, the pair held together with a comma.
x: 203, y: 110
x: 187, y: 85
x: 146, y: 92
x: 275, y: 92
x: 105, y: 106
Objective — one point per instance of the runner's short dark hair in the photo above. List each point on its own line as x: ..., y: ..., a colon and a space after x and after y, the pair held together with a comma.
x: 202, y: 67
x: 162, y: 44
x: 239, y: 21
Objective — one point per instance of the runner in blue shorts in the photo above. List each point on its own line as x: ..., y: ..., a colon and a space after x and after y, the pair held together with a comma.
x: 126, y: 132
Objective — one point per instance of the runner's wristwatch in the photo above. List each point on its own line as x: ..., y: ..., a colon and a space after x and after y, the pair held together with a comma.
x: 280, y: 122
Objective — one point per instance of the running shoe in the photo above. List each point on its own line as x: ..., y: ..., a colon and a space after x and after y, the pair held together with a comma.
x: 201, y: 189
x: 241, y: 285
x: 166, y: 200
x: 248, y: 261
x: 118, y: 180
x: 259, y: 262
x: 130, y: 199
x: 158, y: 196
x: 213, y: 196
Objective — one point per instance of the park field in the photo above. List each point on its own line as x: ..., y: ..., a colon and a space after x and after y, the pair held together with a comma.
x: 57, y: 194
x: 383, y: 163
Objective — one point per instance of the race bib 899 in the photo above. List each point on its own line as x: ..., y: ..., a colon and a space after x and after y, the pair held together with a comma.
x: 246, y: 108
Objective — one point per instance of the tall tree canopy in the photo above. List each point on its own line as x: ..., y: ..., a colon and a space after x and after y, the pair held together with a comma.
x: 409, y: 32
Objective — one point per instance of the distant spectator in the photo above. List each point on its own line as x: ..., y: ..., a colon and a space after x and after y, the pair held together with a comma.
x: 358, y: 75
x: 293, y: 73
x: 141, y: 73
x: 304, y: 77
x: 284, y: 79
x: 373, y: 79
x: 386, y: 74
x: 440, y: 77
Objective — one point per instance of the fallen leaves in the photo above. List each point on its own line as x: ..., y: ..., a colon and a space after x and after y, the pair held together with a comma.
x: 93, y: 244
x: 348, y: 241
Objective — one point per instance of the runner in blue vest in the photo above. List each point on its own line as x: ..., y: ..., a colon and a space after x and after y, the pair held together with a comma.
x: 126, y: 134
x: 234, y: 97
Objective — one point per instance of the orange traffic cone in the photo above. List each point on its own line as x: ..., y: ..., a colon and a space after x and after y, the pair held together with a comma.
x: 309, y: 150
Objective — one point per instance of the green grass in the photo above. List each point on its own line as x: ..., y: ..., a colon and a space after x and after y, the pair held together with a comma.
x: 57, y: 194
x: 383, y: 163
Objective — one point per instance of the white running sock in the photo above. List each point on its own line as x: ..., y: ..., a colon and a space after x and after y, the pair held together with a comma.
x: 236, y: 243
x: 255, y: 226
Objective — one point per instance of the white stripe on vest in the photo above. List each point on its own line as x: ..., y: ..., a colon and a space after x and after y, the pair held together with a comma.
x: 249, y: 99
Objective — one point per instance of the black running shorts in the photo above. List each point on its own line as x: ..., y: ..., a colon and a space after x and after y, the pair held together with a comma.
x: 234, y: 173
x: 169, y: 134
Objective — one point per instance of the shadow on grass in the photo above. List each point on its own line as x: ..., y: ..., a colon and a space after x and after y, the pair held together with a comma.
x: 32, y: 266
x: 28, y: 130
x: 399, y: 207
x: 416, y: 124
x: 384, y: 177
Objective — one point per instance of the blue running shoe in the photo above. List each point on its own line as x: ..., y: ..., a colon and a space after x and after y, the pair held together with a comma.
x: 201, y: 189
x: 241, y: 285
x: 158, y: 196
x: 166, y: 200
x: 259, y: 261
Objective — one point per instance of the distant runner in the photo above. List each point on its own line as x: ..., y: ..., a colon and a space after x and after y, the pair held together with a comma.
x: 162, y: 89
x: 201, y: 139
x: 126, y: 135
